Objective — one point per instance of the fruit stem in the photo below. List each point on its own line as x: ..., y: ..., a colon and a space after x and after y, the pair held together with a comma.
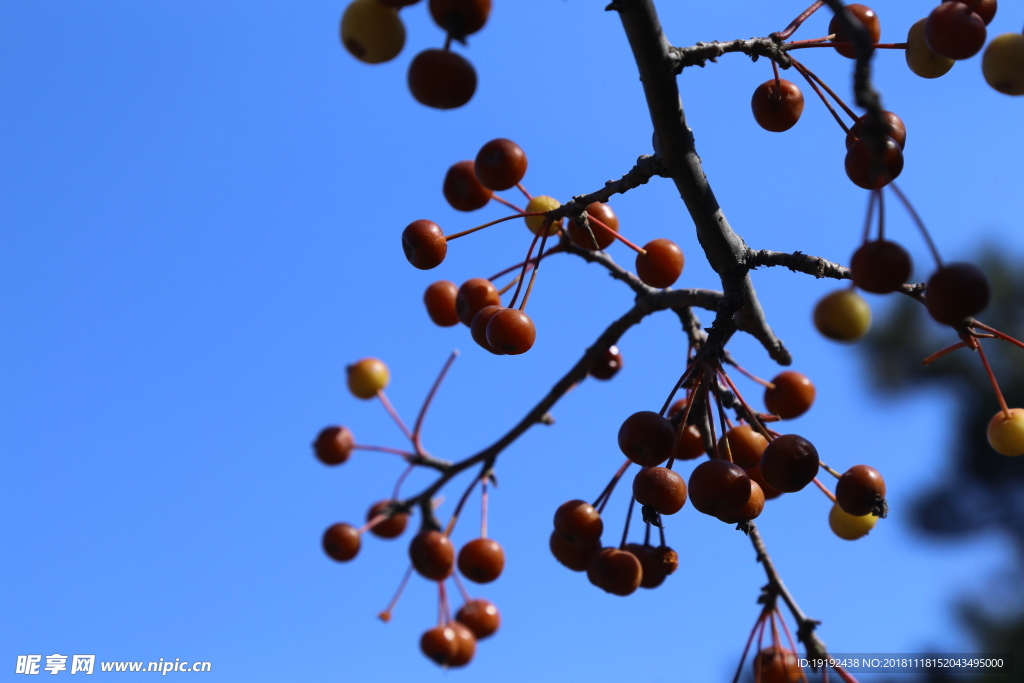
x: 723, y: 420
x: 507, y: 287
x: 711, y: 424
x: 829, y: 469
x: 824, y: 489
x: 829, y: 90
x: 401, y: 480
x: 746, y: 650
x: 521, y: 214
x: 536, y: 269
x: 553, y: 250
x: 881, y: 216
x: 750, y: 413
x: 792, y: 646
x: 426, y: 402
x: 795, y: 24
x: 998, y: 334
x: 629, y: 517
x: 778, y: 82
x: 942, y: 352
x: 602, y: 499
x: 384, y: 449
x: 507, y: 203
x: 682, y: 423
x: 616, y: 235
x: 394, y: 416
x: 458, y: 508
x: 870, y: 217
x: 821, y: 95
x: 483, y: 508
x: 920, y: 224
x: 647, y: 534
x: 992, y: 378
x: 810, y: 42
x: 750, y: 375
x: 372, y: 523
x: 462, y: 588
x: 444, y: 616
x: 522, y: 274
x: 682, y: 379
x: 884, y: 46
x: 523, y: 190
x: 385, y: 616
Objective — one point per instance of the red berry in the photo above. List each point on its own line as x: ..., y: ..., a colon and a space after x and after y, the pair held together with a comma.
x: 481, y: 560
x: 575, y: 557
x: 656, y: 563
x: 391, y: 527
x: 511, y: 331
x: 616, y: 571
x: 475, y: 294
x: 481, y: 616
x: 689, y: 444
x: 880, y: 267
x: 333, y: 445
x: 432, y: 555
x: 647, y: 438
x: 792, y: 395
x: 892, y: 126
x: 776, y: 108
x: 462, y: 189
x: 607, y: 365
x: 341, y: 542
x: 870, y: 171
x: 718, y: 488
x: 441, y: 79
x: 861, y: 491
x: 424, y: 244
x: 582, y: 239
x: 460, y: 18
x: 500, y: 164
x: 752, y: 509
x: 986, y: 9
x: 579, y: 522
x: 465, y: 645
x: 661, y: 265
x: 956, y: 291
x: 776, y: 664
x: 867, y: 17
x: 789, y: 463
x: 661, y: 489
x: 478, y: 328
x: 440, y: 644
x: 954, y: 31
x: 755, y: 476
x: 746, y: 445
x: 440, y: 302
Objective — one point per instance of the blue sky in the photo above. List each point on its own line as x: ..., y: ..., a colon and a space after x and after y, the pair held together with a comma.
x: 201, y: 208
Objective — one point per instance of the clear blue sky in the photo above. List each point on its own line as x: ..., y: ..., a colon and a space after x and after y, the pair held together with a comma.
x: 201, y: 206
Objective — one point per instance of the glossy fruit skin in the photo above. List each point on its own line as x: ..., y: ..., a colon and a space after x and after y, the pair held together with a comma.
x: 986, y: 9
x: 719, y: 488
x: 440, y: 644
x: 465, y: 645
x: 366, y: 377
x: 536, y: 223
x: 893, y: 127
x: 511, y: 332
x: 341, y: 542
x: 861, y: 491
x: 432, y: 555
x: 481, y: 616
x: 921, y: 59
x: 615, y: 571
x: 661, y: 265
x: 660, y: 488
x: 607, y: 365
x: 777, y: 109
x: 646, y: 438
x: 439, y: 298
x: 481, y: 560
x: 441, y: 79
x: 954, y: 31
x: 867, y: 18
x: 572, y: 556
x: 1006, y: 434
x: 424, y: 244
x: 843, y: 316
x: 746, y: 445
x: 860, y: 164
x: 751, y: 510
x: 475, y: 294
x: 656, y: 563
x: 333, y: 445
x: 956, y: 291
x: 371, y: 32
x: 389, y: 528
x: 1003, y: 63
x: 579, y: 522
x: 850, y: 527
x: 769, y: 492
x: 462, y: 189
x: 582, y: 239
x: 478, y: 328
x: 500, y: 164
x: 792, y: 396
x: 880, y: 267
x: 689, y: 444
x: 776, y: 664
x: 460, y: 18
x: 789, y: 463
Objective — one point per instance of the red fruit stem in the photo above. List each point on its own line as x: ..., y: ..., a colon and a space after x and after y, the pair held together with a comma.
x: 825, y: 490
x: 521, y: 214
x: 602, y: 499
x: 536, y: 268
x: 385, y: 616
x: 384, y: 449
x: 827, y: 89
x: 995, y: 384
x: 507, y: 203
x: 444, y: 616
x: 746, y: 649
x: 394, y: 416
x: 483, y: 508
x: 426, y: 402
x: 372, y: 523
x: 682, y: 379
x: 942, y: 352
x: 881, y: 215
x: 522, y: 274
x: 462, y: 588
x: 775, y: 629
x: 883, y: 46
x: 828, y: 105
x: 616, y: 235
x: 711, y: 424
x: 523, y: 190
x: 797, y: 44
x: 998, y: 335
x: 778, y: 81
x: 750, y: 413
x: 872, y: 198
x: 553, y: 250
x: 629, y: 516
x: 760, y: 646
x: 686, y: 416
x: 750, y: 375
x: 792, y: 647
x: 401, y: 480
x: 722, y: 419
x: 458, y: 508
x: 920, y: 224
x: 507, y: 287
x: 795, y: 24
x: 829, y: 469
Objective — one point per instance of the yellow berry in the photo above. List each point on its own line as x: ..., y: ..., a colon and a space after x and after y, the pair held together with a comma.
x: 542, y: 203
x: 1006, y: 434
x: 920, y: 58
x: 367, y: 376
x: 372, y: 32
x: 1003, y: 64
x: 850, y: 527
x: 843, y: 315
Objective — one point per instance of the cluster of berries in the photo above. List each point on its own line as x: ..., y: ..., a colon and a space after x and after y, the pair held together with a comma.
x: 373, y: 32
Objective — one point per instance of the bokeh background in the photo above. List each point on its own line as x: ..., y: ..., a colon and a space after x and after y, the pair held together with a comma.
x: 201, y: 207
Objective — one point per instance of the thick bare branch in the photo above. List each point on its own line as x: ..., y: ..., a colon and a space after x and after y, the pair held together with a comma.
x: 702, y: 53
